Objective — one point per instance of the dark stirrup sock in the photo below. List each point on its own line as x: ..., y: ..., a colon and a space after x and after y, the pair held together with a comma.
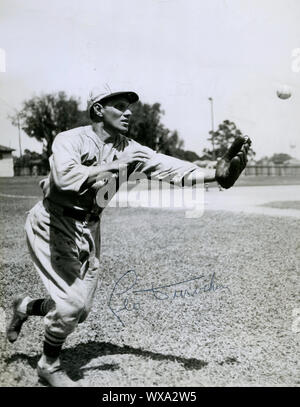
x: 40, y: 307
x: 53, y: 344
x: 51, y: 351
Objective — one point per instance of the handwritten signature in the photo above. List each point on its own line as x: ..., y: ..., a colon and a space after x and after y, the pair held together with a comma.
x: 160, y: 293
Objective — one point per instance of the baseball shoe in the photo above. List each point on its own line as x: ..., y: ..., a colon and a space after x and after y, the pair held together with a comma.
x: 55, y: 376
x: 17, y: 320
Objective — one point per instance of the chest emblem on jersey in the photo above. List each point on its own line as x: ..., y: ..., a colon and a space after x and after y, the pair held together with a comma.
x: 89, y: 162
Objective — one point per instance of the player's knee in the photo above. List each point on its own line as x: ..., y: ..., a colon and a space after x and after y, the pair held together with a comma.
x: 77, y: 307
x: 66, y: 315
x: 71, y: 311
x: 80, y: 309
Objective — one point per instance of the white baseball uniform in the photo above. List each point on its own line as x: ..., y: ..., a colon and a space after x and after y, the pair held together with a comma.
x: 63, y: 240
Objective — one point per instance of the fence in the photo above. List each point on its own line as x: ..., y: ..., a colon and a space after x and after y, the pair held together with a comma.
x: 276, y: 170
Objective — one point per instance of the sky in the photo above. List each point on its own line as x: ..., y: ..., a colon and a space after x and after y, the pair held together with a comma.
x: 175, y: 52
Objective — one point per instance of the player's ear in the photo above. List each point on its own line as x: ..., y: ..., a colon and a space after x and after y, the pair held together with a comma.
x: 98, y: 109
x: 96, y: 112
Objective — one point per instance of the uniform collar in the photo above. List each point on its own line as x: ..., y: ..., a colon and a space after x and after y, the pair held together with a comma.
x: 91, y: 134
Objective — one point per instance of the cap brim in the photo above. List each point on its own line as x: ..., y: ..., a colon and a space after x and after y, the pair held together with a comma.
x: 131, y: 96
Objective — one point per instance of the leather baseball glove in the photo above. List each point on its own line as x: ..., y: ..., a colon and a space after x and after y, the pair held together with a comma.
x: 231, y: 165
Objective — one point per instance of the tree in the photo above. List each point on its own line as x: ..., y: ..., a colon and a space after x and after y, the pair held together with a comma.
x: 186, y: 155
x: 223, y: 137
x: 280, y: 158
x: 43, y: 117
x: 146, y: 128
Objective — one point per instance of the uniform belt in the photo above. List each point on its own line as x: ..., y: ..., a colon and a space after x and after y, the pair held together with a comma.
x: 77, y: 214
x: 80, y: 215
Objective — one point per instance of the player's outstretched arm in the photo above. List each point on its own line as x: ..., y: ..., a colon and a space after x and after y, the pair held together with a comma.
x: 198, y: 176
x: 174, y: 170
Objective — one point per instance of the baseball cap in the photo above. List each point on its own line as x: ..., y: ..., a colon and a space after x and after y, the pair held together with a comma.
x: 107, y: 94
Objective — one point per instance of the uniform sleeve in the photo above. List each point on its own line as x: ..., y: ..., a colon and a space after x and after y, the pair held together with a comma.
x: 166, y: 168
x: 66, y: 169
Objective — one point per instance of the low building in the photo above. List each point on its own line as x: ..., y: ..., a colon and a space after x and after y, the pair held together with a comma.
x: 31, y: 164
x: 6, y: 162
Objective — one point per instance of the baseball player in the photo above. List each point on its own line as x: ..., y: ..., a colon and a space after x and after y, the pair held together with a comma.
x: 63, y: 230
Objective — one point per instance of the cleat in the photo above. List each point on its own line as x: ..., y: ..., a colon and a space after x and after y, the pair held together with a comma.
x: 55, y: 377
x: 17, y: 320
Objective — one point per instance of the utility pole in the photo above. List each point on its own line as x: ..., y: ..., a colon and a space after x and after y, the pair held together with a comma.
x: 20, y: 144
x: 18, y: 123
x: 212, y: 127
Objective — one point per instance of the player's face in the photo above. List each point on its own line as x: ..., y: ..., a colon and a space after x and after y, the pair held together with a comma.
x: 116, y: 114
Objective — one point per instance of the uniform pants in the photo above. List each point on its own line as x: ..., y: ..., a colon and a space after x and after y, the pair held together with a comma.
x: 66, y: 255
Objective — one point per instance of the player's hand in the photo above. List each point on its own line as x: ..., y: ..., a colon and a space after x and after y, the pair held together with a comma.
x: 130, y: 157
x: 231, y: 165
x: 102, y: 179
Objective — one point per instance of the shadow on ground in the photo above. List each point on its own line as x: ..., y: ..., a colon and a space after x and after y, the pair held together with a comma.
x: 74, y: 359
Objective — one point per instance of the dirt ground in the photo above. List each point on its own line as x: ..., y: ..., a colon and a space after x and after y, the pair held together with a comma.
x: 220, y: 306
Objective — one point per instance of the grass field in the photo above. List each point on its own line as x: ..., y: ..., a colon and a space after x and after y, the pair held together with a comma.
x: 284, y: 204
x: 239, y: 334
x: 27, y: 186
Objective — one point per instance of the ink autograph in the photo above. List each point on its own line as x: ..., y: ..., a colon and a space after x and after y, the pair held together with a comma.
x: 160, y: 293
